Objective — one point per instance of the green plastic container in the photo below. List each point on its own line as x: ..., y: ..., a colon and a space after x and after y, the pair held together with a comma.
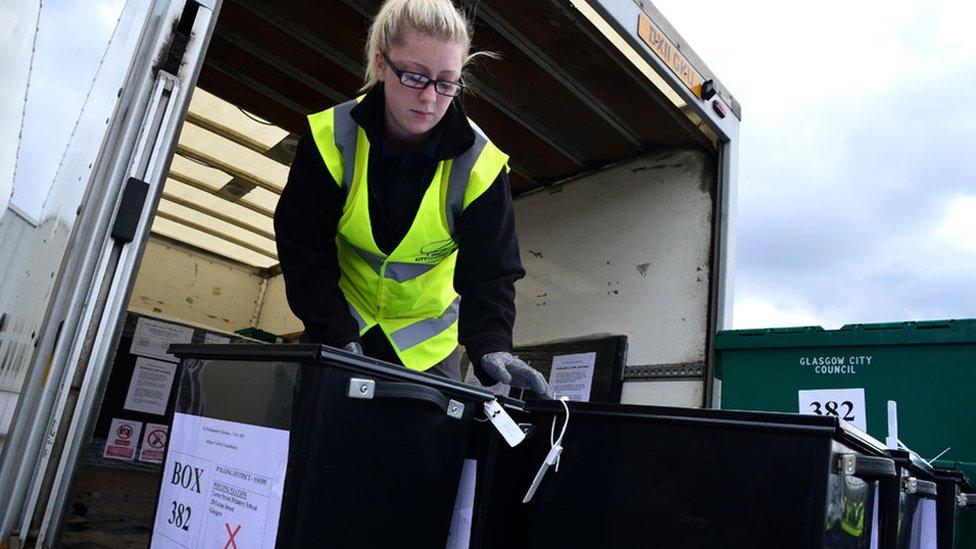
x: 928, y: 368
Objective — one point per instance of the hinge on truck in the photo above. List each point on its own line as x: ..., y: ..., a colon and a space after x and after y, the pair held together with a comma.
x: 130, y: 210
x: 181, y: 38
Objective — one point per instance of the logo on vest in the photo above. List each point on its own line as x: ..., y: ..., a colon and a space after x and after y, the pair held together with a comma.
x: 435, y: 252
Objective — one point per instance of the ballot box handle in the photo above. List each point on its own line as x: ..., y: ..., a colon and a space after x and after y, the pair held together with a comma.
x: 864, y: 467
x: 966, y: 500
x: 369, y: 389
x: 923, y: 488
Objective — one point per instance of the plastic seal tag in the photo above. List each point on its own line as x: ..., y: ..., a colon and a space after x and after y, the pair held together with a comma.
x: 504, y: 423
x: 551, y: 458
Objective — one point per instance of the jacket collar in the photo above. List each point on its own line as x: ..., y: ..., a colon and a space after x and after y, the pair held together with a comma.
x: 451, y: 137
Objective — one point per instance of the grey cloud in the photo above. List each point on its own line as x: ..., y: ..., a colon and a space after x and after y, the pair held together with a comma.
x: 841, y: 224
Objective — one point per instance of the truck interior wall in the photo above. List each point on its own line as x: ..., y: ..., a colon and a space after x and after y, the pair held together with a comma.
x: 276, y: 317
x: 179, y: 283
x: 624, y: 251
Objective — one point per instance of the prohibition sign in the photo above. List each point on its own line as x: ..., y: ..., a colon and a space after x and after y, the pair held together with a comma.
x: 157, y: 438
x: 124, y: 431
x: 230, y: 540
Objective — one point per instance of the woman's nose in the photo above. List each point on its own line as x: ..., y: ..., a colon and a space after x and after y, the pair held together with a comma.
x: 428, y: 95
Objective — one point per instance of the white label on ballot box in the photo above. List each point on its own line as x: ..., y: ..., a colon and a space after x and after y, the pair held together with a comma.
x: 875, y: 523
x: 925, y: 521
x: 509, y: 430
x: 222, y: 485
x: 459, y: 536
x: 847, y: 404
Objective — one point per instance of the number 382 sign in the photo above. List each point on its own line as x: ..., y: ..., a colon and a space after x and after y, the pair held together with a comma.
x: 846, y: 404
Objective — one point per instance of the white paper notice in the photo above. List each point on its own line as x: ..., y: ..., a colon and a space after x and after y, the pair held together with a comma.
x: 153, y: 337
x: 214, y: 338
x: 847, y: 404
x: 123, y: 435
x: 150, y: 386
x: 222, y: 485
x: 572, y: 376
x: 154, y: 443
x: 460, y: 534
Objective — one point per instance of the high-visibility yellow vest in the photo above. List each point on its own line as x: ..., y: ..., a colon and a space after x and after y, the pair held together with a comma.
x: 410, y: 292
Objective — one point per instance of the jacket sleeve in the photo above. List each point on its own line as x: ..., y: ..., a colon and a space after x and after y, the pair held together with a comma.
x: 305, y: 222
x: 488, y: 265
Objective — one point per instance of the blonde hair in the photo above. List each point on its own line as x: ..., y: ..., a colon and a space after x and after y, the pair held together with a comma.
x: 439, y: 19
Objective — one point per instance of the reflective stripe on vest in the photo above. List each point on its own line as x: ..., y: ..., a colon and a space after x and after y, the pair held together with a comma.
x: 409, y: 293
x: 345, y: 140
x: 401, y: 272
x: 419, y: 332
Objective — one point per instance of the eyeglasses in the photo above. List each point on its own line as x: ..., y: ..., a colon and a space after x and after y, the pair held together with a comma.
x: 418, y: 81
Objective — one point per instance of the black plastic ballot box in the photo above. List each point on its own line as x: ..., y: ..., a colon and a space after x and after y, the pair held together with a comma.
x: 954, y: 496
x: 308, y: 446
x: 912, y: 503
x: 636, y: 476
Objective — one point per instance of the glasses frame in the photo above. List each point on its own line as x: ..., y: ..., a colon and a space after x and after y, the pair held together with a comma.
x: 427, y: 80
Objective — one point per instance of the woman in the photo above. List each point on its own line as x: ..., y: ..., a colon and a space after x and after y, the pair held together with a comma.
x: 395, y: 230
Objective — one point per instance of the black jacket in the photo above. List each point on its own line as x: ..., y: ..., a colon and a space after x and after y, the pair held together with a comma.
x: 307, y: 216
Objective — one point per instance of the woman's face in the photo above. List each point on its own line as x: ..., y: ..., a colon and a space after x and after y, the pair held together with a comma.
x: 412, y: 113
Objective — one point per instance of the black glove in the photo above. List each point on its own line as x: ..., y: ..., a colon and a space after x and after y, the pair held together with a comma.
x: 508, y: 368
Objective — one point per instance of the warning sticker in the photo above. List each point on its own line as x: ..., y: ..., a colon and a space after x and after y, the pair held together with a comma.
x: 123, y: 436
x: 154, y: 443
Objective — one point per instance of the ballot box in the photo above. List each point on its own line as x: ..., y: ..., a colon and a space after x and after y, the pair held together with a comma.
x: 307, y: 446
x: 956, y: 502
x: 913, y: 503
x: 639, y: 476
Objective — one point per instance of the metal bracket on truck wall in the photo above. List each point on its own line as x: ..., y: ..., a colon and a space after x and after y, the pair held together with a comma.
x: 685, y: 370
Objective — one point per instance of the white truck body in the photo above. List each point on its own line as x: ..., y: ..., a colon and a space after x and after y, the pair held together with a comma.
x: 641, y: 246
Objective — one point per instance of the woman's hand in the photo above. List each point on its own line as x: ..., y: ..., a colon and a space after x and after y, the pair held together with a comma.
x: 508, y: 368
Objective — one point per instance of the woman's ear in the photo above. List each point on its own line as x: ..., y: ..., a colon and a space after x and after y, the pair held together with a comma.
x: 380, y: 65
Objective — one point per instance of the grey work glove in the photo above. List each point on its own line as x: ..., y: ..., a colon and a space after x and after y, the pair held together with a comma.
x: 508, y: 368
x: 353, y: 347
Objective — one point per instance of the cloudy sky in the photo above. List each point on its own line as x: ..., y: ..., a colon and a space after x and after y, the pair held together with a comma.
x: 857, y: 182
x: 70, y: 42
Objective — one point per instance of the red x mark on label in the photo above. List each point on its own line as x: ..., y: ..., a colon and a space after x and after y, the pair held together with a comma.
x: 230, y: 541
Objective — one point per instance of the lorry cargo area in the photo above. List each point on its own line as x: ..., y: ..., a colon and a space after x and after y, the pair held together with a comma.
x: 622, y: 147
x: 615, y: 204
